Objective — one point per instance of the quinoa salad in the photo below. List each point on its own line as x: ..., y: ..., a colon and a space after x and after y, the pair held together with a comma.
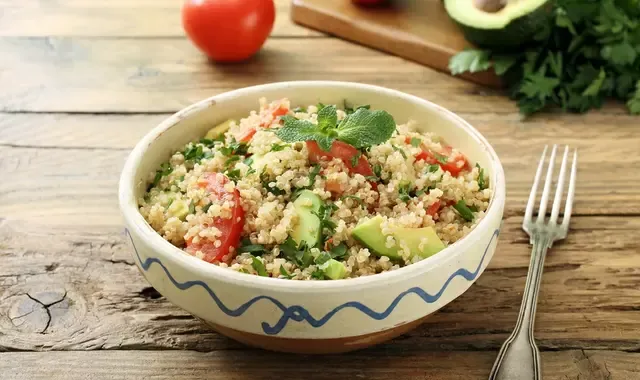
x: 319, y: 192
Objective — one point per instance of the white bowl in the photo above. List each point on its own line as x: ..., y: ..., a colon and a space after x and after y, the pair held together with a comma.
x: 309, y: 316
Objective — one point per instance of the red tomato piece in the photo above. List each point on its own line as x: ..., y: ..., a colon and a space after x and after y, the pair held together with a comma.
x: 274, y: 110
x: 246, y: 136
x: 454, y: 163
x: 228, y: 30
x: 434, y: 208
x: 343, y: 151
x: 231, y: 228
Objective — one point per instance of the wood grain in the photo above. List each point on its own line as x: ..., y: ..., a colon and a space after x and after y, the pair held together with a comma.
x: 113, y: 19
x: 245, y: 365
x: 589, y: 295
x: 608, y: 171
x: 419, y: 30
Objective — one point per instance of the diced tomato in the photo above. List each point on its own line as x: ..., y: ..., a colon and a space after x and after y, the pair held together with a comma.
x: 231, y: 228
x: 454, y: 163
x: 246, y: 136
x: 274, y: 110
x: 333, y: 186
x: 343, y: 151
x: 434, y: 208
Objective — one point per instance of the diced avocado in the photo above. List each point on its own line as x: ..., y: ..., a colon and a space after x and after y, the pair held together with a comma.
x: 178, y: 208
x: 370, y: 234
x: 307, y: 205
x: 219, y: 129
x: 334, y: 269
x: 499, y: 24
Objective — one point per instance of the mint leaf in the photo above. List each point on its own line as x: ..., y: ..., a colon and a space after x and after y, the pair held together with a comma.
x: 327, y: 118
x: 303, y: 130
x: 470, y: 60
x: 365, y: 128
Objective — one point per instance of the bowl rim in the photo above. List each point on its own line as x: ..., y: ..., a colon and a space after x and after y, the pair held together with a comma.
x: 136, y: 222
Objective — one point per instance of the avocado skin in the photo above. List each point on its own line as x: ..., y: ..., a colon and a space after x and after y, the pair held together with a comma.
x: 514, y: 36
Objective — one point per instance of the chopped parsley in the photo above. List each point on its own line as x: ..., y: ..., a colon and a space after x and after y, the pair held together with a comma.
x: 318, y: 274
x: 266, y: 184
x: 231, y: 160
x: 234, y: 148
x: 339, y: 251
x: 433, y: 168
x: 415, y: 142
x: 285, y: 274
x: 465, y: 212
x: 258, y: 266
x: 165, y: 170
x: 313, y: 174
x: 233, y: 175
x: 481, y: 180
x: 255, y: 249
x: 404, y: 155
x: 371, y: 178
x: 299, y: 254
x: 377, y: 170
x: 322, y: 258
x: 349, y: 110
x: 326, y: 224
x: 278, y: 147
x: 248, y: 161
x: 206, y: 207
x: 298, y: 109
x: 354, y: 160
x: 354, y: 197
x: 404, y: 191
x: 442, y: 159
x: 192, y: 208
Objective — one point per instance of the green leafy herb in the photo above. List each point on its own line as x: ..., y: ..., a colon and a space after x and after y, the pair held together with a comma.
x: 258, y: 266
x: 372, y: 178
x: 442, y: 159
x: 349, y: 110
x: 420, y: 192
x: 589, y: 51
x: 362, y: 128
x: 248, y: 161
x: 481, y: 180
x: 415, y: 142
x: 298, y: 109
x: 285, y: 274
x: 299, y: 254
x: 397, y: 149
x: 318, y: 274
x: 313, y: 174
x: 194, y: 152
x: 404, y: 191
x: 206, y: 207
x: 377, y: 170
x: 278, y: 147
x: 354, y: 160
x: 192, y: 208
x: 265, y: 179
x: 234, y: 148
x: 339, y: 251
x: 433, y: 168
x: 320, y: 106
x: 255, y: 249
x: 231, y: 160
x: 322, y: 258
x: 165, y: 170
x: 464, y: 211
x: 327, y: 225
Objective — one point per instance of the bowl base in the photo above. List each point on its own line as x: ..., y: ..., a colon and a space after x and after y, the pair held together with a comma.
x: 315, y: 346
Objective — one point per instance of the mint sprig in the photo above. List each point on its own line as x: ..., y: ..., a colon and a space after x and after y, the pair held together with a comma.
x: 363, y: 128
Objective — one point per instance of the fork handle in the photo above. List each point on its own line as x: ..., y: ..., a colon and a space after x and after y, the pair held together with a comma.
x: 519, y: 358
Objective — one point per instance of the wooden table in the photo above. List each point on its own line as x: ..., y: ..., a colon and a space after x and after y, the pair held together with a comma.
x: 82, y: 80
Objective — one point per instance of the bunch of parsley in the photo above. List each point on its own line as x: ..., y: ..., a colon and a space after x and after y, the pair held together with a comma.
x: 590, y: 51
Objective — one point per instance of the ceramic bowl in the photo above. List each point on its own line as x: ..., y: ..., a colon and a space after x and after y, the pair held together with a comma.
x: 308, y: 316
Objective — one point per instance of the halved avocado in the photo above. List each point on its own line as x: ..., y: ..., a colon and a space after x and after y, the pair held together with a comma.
x: 499, y: 24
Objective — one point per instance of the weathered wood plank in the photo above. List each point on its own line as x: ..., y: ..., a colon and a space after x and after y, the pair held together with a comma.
x: 608, y: 171
x: 113, y: 18
x: 165, y: 75
x: 371, y: 364
x: 590, y: 293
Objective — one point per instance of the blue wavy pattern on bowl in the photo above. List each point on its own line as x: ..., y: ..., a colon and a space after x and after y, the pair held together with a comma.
x: 299, y: 313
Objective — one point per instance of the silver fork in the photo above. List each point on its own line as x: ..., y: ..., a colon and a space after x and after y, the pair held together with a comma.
x: 519, y: 358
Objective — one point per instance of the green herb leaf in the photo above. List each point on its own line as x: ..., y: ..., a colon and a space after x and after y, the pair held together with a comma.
x: 481, y: 180
x: 433, y: 168
x: 313, y: 174
x: 206, y: 207
x: 301, y: 130
x: 442, y: 159
x: 464, y: 211
x: 318, y: 274
x: 192, y: 208
x: 165, y: 170
x: 354, y: 160
x: 397, y: 149
x: 298, y: 109
x: 377, y: 170
x: 404, y: 191
x: 327, y: 118
x: 258, y: 266
x: 255, y: 249
x: 365, y: 128
x: 285, y: 274
x: 322, y: 258
x: 634, y: 102
x: 415, y: 142
x: 339, y: 251
x: 278, y: 147
x: 470, y: 60
x: 354, y: 197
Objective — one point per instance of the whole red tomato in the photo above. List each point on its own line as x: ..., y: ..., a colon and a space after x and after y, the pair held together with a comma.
x: 228, y: 30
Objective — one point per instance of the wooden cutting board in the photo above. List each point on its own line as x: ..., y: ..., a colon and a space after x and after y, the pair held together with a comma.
x: 418, y: 30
